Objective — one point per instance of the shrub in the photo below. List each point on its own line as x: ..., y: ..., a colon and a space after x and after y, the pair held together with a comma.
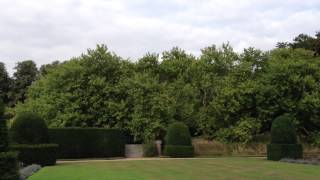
x: 42, y: 154
x: 178, y: 141
x: 3, y: 130
x: 179, y: 151
x: 150, y: 149
x: 8, y: 160
x: 29, y: 128
x: 283, y: 140
x: 88, y: 142
x: 279, y: 151
x: 3, y: 136
x: 178, y: 134
x: 8, y: 166
x: 283, y: 130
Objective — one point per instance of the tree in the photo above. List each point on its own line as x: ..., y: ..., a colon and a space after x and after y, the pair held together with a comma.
x: 26, y: 73
x: 44, y: 69
x: 84, y: 92
x: 230, y: 96
x: 290, y: 84
x: 5, y: 84
x: 303, y: 41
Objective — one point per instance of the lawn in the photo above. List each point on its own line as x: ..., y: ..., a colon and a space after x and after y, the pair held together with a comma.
x: 215, y: 168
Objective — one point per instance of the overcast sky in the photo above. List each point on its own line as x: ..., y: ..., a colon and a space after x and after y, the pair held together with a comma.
x: 48, y: 30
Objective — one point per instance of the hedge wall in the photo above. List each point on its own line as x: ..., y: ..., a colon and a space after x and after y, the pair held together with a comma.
x: 88, y: 142
x: 42, y: 154
x: 176, y: 151
x: 9, y: 166
x: 276, y: 152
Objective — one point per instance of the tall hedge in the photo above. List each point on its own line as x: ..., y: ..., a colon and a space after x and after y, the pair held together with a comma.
x: 88, y: 142
x: 284, y: 140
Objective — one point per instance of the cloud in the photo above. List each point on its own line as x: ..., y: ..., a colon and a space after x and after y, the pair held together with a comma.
x: 58, y: 30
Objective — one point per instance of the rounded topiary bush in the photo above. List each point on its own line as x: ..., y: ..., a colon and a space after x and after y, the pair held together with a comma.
x: 178, y: 141
x: 283, y: 130
x: 284, y: 140
x: 29, y: 128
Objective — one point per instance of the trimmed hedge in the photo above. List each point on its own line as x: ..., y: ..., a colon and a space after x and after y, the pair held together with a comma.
x: 279, y: 151
x: 42, y: 154
x: 88, y: 142
x: 150, y: 149
x: 29, y: 128
x: 9, y: 166
x: 178, y: 151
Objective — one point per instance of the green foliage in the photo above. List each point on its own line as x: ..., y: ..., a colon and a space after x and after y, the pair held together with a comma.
x: 304, y: 41
x: 9, y: 166
x: 5, y: 84
x: 178, y: 134
x: 3, y: 130
x: 26, y: 72
x: 283, y: 130
x: 276, y: 152
x: 289, y: 85
x: 44, y: 69
x: 284, y: 139
x: 88, y: 142
x: 229, y: 96
x: 42, y: 154
x: 178, y: 141
x: 150, y: 149
x: 8, y: 160
x: 177, y: 151
x: 29, y: 128
x: 3, y: 136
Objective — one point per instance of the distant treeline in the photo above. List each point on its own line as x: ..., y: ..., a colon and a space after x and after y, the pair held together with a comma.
x: 229, y: 96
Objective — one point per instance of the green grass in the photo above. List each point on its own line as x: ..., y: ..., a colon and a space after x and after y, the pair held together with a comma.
x: 184, y: 169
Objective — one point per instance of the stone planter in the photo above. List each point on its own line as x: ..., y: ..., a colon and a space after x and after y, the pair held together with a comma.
x: 134, y: 150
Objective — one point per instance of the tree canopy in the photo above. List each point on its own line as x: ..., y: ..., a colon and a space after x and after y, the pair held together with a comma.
x: 221, y: 94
